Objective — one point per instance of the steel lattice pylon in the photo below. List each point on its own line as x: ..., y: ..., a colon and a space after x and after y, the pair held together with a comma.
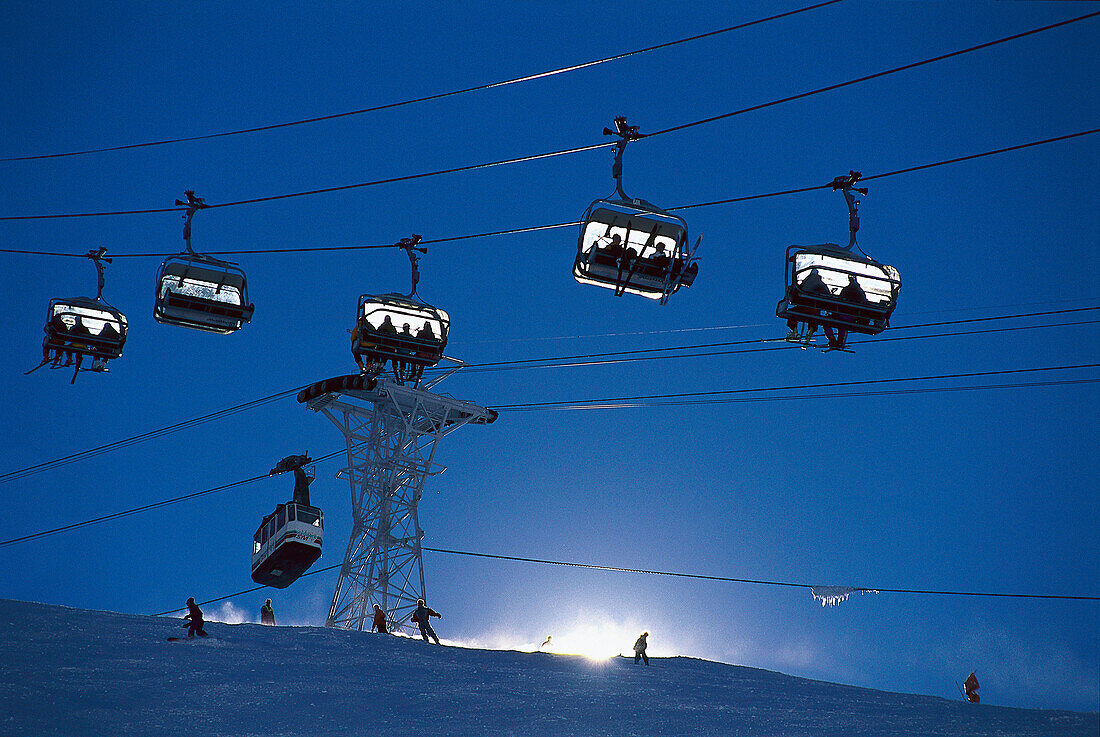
x: 391, y: 432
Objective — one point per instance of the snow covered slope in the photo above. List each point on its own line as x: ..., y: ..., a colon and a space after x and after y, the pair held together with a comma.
x: 77, y: 673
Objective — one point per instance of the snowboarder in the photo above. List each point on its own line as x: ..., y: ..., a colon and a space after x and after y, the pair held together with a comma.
x: 195, y: 615
x: 421, y: 615
x: 639, y: 649
x: 267, y: 614
x: 379, y: 621
x: 970, y: 687
x: 546, y: 642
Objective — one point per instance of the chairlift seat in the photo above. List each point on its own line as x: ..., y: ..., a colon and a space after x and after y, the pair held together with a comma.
x: 650, y: 257
x: 202, y: 293
x: 879, y: 283
x: 380, y: 339
x: 91, y: 328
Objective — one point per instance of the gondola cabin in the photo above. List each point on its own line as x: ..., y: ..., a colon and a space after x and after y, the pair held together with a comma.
x: 831, y: 286
x: 82, y: 327
x: 203, y: 293
x: 286, y: 544
x: 393, y: 327
x: 631, y: 248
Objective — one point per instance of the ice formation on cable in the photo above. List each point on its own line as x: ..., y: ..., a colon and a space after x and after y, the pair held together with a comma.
x: 833, y: 595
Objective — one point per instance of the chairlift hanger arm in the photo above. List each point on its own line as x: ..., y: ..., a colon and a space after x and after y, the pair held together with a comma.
x: 626, y: 134
x: 99, y: 257
x: 846, y: 184
x: 410, y: 247
x: 192, y: 204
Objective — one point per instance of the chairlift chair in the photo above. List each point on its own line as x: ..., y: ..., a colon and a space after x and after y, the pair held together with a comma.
x: 288, y: 541
x: 830, y: 286
x: 79, y: 328
x: 393, y: 328
x: 203, y: 293
x: 198, y: 291
x: 400, y: 330
x: 630, y: 245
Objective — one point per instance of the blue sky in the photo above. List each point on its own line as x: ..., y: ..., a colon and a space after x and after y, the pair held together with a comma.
x: 981, y: 490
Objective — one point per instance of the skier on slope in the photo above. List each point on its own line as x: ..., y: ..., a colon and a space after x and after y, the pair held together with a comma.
x: 379, y: 624
x: 195, y: 615
x: 421, y: 615
x: 639, y: 649
x: 267, y: 613
x: 970, y: 686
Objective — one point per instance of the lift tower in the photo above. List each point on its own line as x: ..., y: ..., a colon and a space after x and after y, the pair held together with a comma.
x: 392, y: 433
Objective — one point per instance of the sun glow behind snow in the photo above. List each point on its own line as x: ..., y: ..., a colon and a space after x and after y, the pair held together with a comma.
x: 592, y: 637
x: 595, y: 638
x: 597, y: 641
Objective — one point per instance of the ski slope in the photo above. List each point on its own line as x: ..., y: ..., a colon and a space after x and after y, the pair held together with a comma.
x: 77, y: 672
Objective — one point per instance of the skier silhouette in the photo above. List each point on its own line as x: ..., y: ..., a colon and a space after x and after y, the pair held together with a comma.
x: 970, y: 687
x: 639, y: 648
x: 421, y: 615
x: 379, y: 623
x: 267, y: 613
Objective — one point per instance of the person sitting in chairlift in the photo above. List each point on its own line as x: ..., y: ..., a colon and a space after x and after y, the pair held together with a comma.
x: 75, y: 348
x: 660, y: 260
x: 109, y: 332
x: 426, y: 332
x: 614, y: 249
x: 812, y: 283
x: 358, y: 358
x: 400, y: 367
x: 387, y: 326
x: 57, y: 326
x: 853, y: 294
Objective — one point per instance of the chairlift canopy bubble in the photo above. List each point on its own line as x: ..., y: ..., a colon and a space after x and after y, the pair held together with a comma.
x: 830, y: 286
x: 85, y: 326
x: 393, y: 327
x: 633, y: 247
x: 202, y: 293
